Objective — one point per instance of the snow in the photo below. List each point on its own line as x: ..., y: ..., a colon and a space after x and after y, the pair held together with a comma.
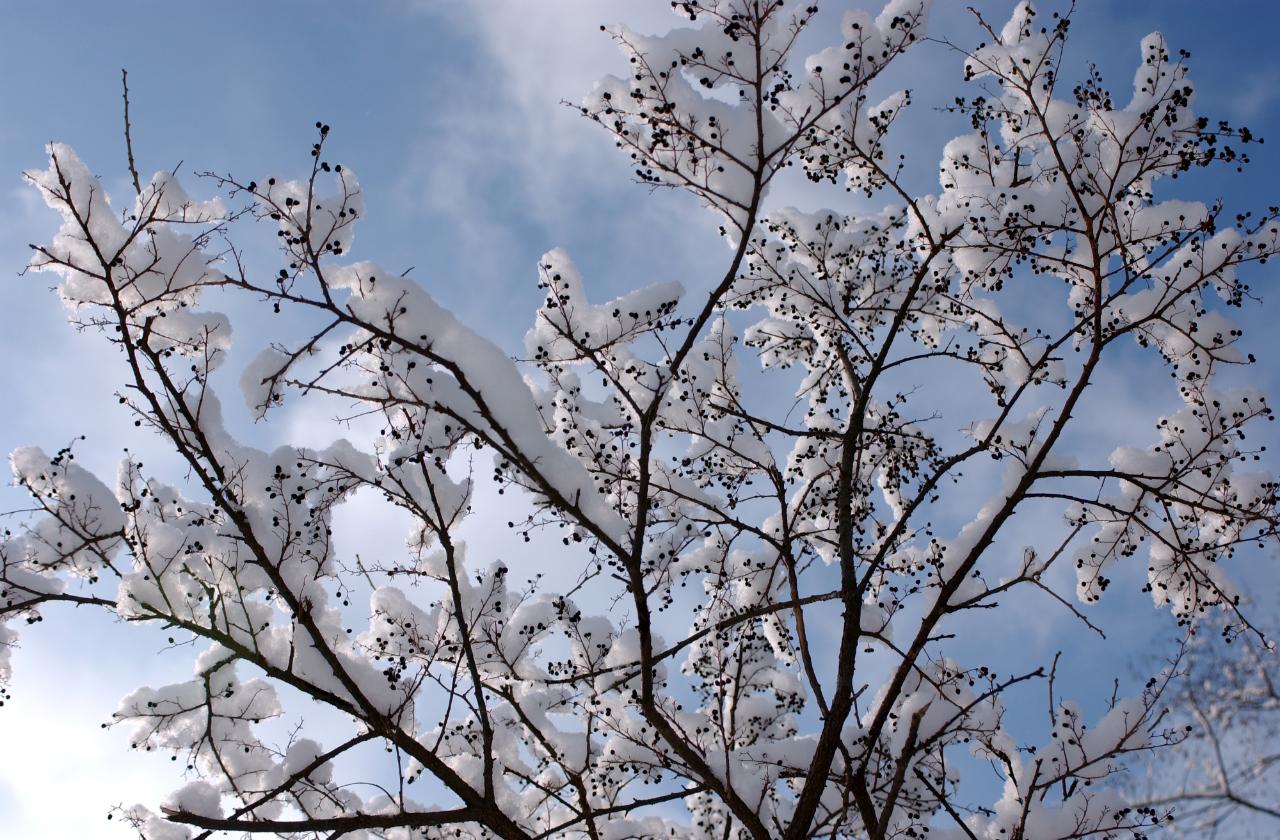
x: 618, y: 426
x: 198, y: 797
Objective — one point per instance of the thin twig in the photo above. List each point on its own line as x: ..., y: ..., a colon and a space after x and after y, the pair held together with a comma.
x: 128, y: 132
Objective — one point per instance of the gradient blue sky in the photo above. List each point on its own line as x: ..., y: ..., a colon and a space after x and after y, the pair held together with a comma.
x: 471, y: 169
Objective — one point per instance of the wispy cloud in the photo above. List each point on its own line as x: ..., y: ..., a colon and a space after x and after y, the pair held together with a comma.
x: 1257, y: 92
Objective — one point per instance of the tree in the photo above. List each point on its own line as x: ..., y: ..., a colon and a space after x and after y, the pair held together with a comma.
x: 1230, y: 701
x: 776, y: 569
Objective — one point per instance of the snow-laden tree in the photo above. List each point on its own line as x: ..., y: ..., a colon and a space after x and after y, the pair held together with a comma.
x: 1226, y: 781
x: 770, y: 573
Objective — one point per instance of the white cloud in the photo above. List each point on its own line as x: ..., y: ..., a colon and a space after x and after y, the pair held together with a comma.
x: 1256, y: 93
x: 61, y: 772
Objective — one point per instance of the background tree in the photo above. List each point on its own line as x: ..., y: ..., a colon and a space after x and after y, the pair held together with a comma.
x: 1224, y: 778
x: 771, y: 575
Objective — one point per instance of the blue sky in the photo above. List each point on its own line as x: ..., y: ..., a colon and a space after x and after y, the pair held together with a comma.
x: 471, y: 169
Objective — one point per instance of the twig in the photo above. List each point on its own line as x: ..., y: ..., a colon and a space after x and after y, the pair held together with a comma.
x: 128, y: 132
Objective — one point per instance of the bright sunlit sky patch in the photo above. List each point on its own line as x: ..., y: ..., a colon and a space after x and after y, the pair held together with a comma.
x: 471, y: 168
